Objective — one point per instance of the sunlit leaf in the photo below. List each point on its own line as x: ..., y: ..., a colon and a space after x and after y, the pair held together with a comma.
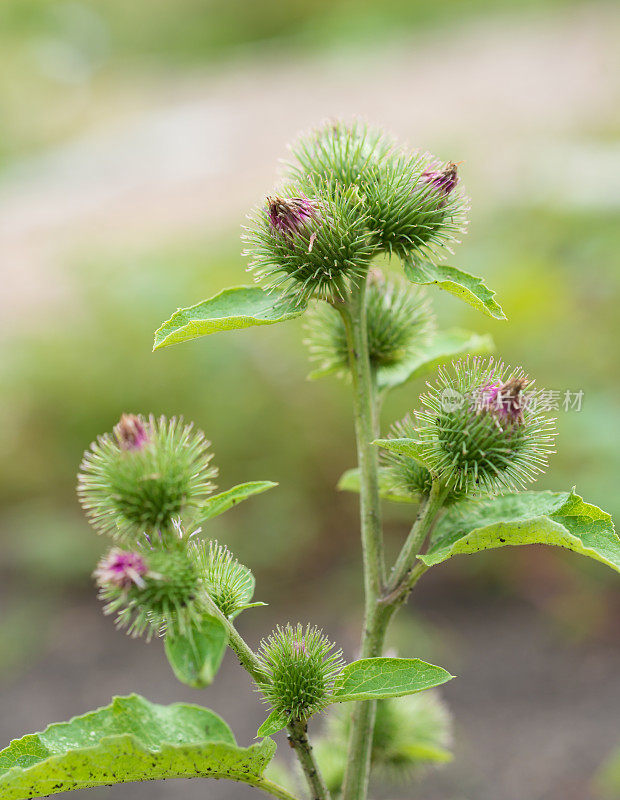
x: 230, y: 309
x: 129, y: 740
x: 554, y: 518
x: 467, y: 287
x: 195, y: 657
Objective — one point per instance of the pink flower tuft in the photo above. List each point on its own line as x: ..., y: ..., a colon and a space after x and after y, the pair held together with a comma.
x: 288, y: 216
x: 444, y: 179
x: 131, y: 433
x: 121, y: 568
x: 505, y: 400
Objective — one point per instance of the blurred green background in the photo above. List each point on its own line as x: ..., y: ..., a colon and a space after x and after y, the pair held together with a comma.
x: 134, y: 137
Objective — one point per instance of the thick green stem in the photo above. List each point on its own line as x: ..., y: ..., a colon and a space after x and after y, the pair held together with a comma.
x: 297, y: 738
x: 375, y: 619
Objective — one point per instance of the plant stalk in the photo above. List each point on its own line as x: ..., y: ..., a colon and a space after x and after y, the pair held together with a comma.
x: 357, y: 771
x: 272, y: 788
x: 427, y: 514
x: 298, y: 738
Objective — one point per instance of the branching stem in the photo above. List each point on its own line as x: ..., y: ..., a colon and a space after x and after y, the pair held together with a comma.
x: 297, y: 730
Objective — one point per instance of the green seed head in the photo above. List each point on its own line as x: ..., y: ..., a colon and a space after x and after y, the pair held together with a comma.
x: 127, y: 490
x: 229, y: 584
x: 411, y: 734
x: 301, y: 666
x: 399, y: 319
x: 414, y: 215
x: 478, y: 431
x: 340, y: 153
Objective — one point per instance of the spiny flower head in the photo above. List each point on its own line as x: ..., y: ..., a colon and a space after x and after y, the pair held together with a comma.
x: 400, y: 323
x: 310, y: 245
x: 415, y: 207
x: 127, y: 490
x: 411, y: 734
x: 339, y: 152
x: 229, y: 584
x: 301, y: 666
x: 168, y: 597
x: 121, y: 568
x: 479, y: 433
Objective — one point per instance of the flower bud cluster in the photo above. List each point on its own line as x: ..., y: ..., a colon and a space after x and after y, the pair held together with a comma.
x: 138, y: 485
x: 350, y: 194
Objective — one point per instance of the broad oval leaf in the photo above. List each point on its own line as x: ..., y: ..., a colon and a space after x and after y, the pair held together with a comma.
x: 445, y: 346
x: 129, y: 740
x: 219, y: 503
x: 469, y: 288
x: 376, y: 678
x: 350, y: 482
x: 554, y: 518
x: 230, y: 309
x: 195, y: 657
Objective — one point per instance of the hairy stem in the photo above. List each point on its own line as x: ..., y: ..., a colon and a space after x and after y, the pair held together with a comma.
x: 357, y: 771
x: 296, y: 736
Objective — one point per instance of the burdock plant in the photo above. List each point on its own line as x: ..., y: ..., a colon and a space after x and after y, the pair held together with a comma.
x: 352, y: 209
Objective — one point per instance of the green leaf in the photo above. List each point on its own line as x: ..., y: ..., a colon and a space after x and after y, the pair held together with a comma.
x: 219, y: 503
x: 467, y: 287
x: 196, y: 656
x: 275, y: 722
x: 445, y: 346
x: 554, y: 518
x: 129, y: 740
x: 406, y: 447
x: 376, y: 678
x: 237, y: 307
x: 350, y: 482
